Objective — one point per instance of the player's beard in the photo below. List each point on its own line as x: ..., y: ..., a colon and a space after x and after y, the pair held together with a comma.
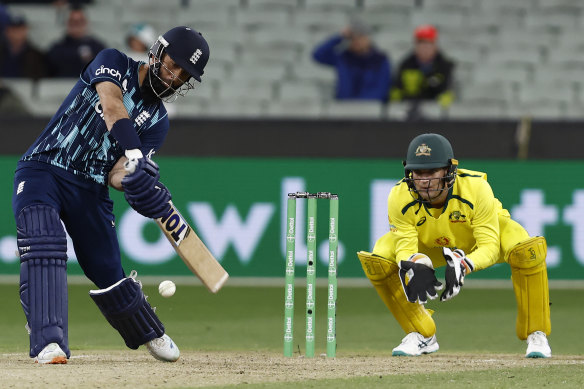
x: 153, y: 89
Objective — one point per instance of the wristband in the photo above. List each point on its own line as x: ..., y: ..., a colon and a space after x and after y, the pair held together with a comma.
x: 124, y: 132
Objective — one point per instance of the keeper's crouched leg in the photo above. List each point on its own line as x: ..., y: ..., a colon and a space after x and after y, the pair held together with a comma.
x: 125, y: 307
x: 530, y: 283
x: 383, y: 274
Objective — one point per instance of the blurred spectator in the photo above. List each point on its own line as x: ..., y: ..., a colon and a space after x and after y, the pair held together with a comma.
x: 4, y: 18
x: 139, y: 39
x: 18, y: 56
x: 10, y: 103
x: 363, y: 71
x: 53, y: 2
x: 77, y: 48
x: 425, y: 73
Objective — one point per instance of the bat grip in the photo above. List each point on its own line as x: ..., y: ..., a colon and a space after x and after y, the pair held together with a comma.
x: 130, y: 165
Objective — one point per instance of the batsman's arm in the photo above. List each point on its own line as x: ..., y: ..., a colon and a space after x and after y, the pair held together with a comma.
x: 112, y: 104
x: 117, y: 119
x: 117, y: 174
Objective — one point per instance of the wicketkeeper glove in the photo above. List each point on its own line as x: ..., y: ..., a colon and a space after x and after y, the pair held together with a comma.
x: 422, y: 281
x: 142, y: 190
x: 457, y: 267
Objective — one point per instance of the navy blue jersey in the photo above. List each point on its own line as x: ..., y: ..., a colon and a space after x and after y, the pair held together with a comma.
x: 77, y: 140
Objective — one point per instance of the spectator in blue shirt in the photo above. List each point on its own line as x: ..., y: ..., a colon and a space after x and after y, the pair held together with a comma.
x: 363, y: 71
x: 4, y: 18
x: 19, y: 58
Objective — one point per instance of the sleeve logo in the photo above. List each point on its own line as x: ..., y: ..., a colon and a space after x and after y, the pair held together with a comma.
x: 112, y: 72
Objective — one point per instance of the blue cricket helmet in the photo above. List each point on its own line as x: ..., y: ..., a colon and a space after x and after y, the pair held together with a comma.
x: 187, y: 48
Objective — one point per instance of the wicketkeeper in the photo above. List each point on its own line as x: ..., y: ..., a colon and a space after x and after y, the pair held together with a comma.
x: 451, y: 216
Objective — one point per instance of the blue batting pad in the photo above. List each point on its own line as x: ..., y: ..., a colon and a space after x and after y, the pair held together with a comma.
x: 43, y: 276
x: 126, y: 309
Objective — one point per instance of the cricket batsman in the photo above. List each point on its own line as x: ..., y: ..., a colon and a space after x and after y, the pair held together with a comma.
x: 440, y: 215
x: 113, y: 113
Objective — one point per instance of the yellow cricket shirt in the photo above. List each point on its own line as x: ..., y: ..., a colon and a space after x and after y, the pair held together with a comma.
x: 468, y: 221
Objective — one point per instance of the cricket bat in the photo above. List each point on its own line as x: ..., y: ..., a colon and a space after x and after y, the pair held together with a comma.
x: 192, y: 250
x: 189, y: 246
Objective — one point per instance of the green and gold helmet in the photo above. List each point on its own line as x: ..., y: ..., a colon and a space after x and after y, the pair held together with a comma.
x: 430, y: 151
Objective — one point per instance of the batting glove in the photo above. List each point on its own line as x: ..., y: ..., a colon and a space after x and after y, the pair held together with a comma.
x: 142, y: 190
x: 152, y: 202
x: 422, y: 281
x: 457, y: 267
x: 143, y: 175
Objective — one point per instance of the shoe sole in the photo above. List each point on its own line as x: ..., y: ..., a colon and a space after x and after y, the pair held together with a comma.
x: 157, y: 357
x: 55, y: 361
x: 537, y: 355
x: 164, y: 360
x: 403, y: 354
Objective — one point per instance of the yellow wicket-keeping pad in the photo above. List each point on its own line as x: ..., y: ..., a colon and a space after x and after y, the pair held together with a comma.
x: 383, y: 274
x: 530, y: 283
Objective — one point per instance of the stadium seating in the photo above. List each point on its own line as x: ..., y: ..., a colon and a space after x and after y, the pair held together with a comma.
x: 297, y: 109
x: 519, y: 57
x: 353, y: 109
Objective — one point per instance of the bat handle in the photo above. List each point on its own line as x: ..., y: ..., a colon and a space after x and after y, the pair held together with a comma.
x: 130, y: 165
x: 133, y: 156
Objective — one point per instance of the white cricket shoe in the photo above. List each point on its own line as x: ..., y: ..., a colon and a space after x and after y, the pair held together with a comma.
x: 51, y: 354
x: 163, y: 349
x: 538, y: 346
x: 414, y: 344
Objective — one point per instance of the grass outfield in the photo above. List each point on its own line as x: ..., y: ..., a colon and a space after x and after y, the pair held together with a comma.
x: 240, y: 320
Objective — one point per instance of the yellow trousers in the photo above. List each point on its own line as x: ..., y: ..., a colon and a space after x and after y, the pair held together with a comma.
x: 525, y: 255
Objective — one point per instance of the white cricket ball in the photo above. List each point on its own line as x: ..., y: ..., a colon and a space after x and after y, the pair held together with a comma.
x: 166, y: 288
x: 423, y: 259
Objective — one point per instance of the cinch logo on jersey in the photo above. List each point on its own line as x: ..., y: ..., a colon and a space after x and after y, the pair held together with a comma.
x: 196, y: 55
x: 142, y: 117
x: 112, y: 72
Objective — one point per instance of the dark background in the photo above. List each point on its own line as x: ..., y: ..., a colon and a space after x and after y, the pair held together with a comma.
x: 337, y: 138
